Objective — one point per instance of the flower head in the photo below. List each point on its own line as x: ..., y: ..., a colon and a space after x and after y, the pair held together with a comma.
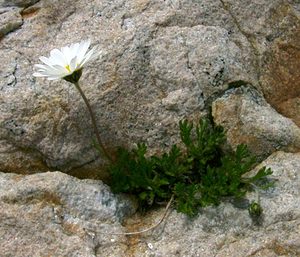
x: 65, y: 63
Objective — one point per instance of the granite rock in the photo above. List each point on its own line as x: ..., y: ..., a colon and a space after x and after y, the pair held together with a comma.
x: 49, y: 214
x: 228, y: 230
x: 247, y: 118
x: 148, y: 77
x: 273, y: 30
x: 160, y: 62
x: 10, y: 20
x: 19, y: 3
x: 55, y: 214
x: 280, y: 75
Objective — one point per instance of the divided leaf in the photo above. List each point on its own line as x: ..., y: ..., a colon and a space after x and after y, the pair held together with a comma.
x: 198, y: 176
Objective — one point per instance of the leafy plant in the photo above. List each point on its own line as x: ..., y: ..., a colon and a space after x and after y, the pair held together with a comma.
x: 198, y: 175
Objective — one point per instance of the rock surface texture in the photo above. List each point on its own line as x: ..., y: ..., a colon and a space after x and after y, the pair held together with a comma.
x: 249, y: 119
x: 160, y: 62
x: 236, y: 61
x: 49, y: 214
x: 53, y: 214
x: 228, y: 231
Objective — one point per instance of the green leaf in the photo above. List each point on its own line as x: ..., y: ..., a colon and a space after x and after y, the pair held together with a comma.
x: 200, y: 175
x: 187, y: 200
x: 262, y: 173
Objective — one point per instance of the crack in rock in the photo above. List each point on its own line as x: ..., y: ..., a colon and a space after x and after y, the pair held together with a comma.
x: 10, y: 20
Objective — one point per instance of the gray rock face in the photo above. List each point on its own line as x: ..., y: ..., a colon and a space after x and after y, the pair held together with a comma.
x: 55, y: 214
x: 48, y: 214
x: 160, y: 62
x: 10, y: 20
x: 272, y: 28
x: 19, y: 3
x: 247, y: 118
x: 227, y: 230
x: 149, y: 76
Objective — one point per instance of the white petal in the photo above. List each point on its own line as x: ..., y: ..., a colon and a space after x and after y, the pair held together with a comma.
x: 84, y: 46
x: 74, y: 49
x: 73, y: 64
x: 59, y: 69
x: 57, y: 57
x: 40, y: 66
x: 52, y: 71
x: 89, y: 56
x: 95, y: 54
x: 46, y: 60
x: 45, y: 72
x: 37, y: 74
x: 41, y: 70
x: 67, y: 54
x: 56, y: 71
x: 53, y: 78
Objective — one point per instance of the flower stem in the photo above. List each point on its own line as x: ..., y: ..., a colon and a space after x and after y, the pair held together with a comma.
x: 86, y: 101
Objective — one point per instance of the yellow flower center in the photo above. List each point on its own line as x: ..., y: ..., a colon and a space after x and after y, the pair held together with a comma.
x: 68, y: 68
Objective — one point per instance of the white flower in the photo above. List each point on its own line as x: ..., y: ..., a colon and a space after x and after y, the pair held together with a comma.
x: 64, y: 62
